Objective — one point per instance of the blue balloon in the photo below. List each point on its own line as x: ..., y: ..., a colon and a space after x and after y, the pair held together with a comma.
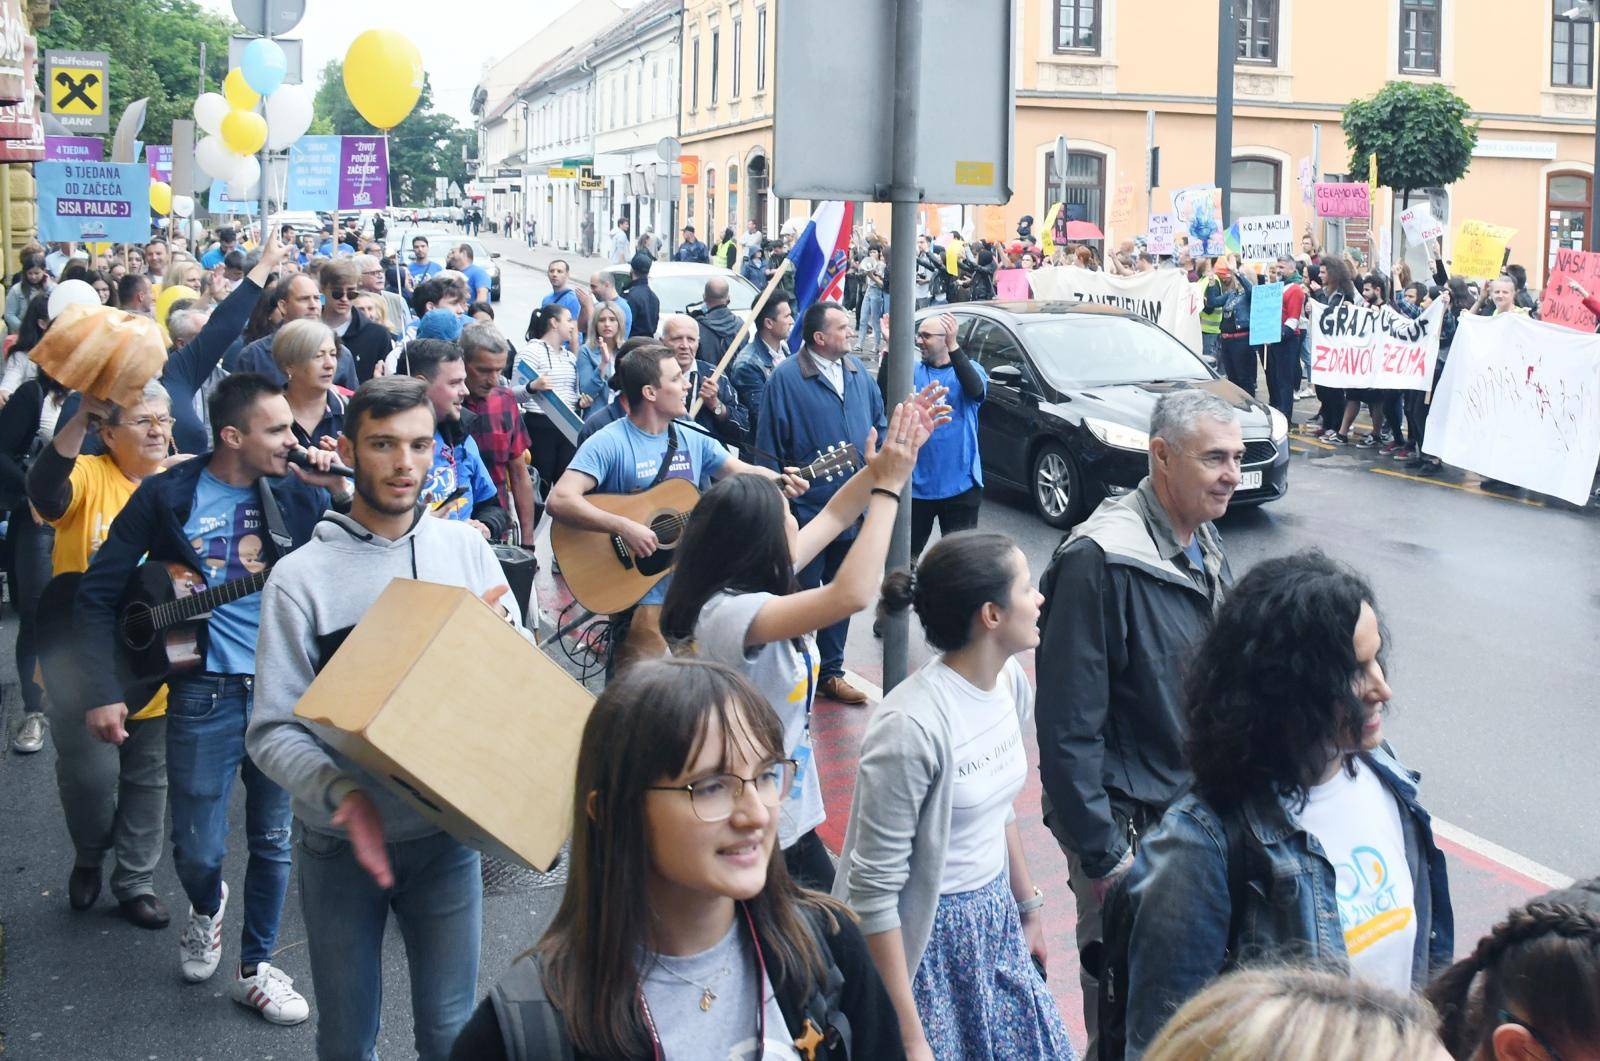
x: 264, y: 65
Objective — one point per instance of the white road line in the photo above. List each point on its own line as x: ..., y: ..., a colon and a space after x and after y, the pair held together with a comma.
x: 1441, y: 828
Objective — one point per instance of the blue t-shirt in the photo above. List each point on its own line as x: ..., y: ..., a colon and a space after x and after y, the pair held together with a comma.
x: 565, y: 297
x: 477, y: 277
x: 622, y: 459
x: 1192, y: 551
x: 230, y: 541
x: 455, y: 467
x: 420, y: 271
x: 212, y: 258
x: 948, y: 464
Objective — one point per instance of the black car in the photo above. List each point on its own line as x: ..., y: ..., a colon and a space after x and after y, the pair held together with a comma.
x: 1072, y: 386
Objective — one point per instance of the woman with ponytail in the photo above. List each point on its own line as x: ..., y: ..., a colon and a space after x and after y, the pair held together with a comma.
x: 550, y: 357
x: 933, y: 863
x: 1531, y: 989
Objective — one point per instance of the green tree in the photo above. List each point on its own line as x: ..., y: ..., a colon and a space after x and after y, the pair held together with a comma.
x: 155, y: 53
x: 1420, y: 134
x: 426, y: 145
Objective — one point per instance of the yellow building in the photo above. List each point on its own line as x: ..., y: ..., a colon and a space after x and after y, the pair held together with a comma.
x: 1095, y: 70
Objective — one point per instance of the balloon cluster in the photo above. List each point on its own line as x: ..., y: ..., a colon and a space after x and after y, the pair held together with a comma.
x: 235, y: 131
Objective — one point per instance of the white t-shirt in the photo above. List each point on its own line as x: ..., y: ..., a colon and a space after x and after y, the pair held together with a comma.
x: 1357, y: 822
x: 990, y: 765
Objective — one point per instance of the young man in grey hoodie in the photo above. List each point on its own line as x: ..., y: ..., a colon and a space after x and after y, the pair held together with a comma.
x: 363, y: 850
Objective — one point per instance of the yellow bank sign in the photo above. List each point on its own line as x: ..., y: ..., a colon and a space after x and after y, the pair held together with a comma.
x: 75, y: 89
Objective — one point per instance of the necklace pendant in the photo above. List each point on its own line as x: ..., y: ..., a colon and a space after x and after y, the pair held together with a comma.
x: 706, y: 999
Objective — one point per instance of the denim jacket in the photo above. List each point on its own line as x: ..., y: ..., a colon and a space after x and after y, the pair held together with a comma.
x: 1178, y: 889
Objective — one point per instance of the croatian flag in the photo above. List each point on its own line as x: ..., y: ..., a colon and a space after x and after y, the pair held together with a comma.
x: 820, y: 258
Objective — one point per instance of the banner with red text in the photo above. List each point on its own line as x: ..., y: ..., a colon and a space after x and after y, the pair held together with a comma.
x: 1378, y: 347
x: 1561, y: 303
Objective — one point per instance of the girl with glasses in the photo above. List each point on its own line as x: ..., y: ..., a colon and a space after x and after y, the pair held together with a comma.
x: 680, y: 934
x: 932, y: 860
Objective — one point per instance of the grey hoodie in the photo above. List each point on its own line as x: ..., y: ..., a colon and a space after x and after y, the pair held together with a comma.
x: 323, y: 589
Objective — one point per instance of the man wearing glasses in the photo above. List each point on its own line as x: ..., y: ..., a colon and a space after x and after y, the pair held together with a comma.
x: 373, y: 282
x: 220, y: 516
x: 1128, y: 593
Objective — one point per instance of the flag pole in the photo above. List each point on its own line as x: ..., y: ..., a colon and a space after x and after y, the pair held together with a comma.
x: 745, y: 329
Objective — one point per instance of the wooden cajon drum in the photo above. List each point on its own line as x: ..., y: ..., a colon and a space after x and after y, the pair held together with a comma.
x: 437, y: 696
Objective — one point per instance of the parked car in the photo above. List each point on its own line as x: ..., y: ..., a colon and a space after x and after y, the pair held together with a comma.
x: 440, y: 242
x: 681, y: 286
x: 1072, y: 386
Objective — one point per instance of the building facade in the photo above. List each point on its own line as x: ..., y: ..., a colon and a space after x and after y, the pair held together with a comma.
x: 636, y: 107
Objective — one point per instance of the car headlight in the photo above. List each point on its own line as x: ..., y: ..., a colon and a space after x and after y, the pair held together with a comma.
x: 1117, y: 436
x: 1280, y: 426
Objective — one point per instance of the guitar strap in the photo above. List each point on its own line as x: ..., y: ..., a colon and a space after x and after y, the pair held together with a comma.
x: 666, y: 461
x: 282, y: 543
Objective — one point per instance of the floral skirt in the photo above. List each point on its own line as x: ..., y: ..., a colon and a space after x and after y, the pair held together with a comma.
x: 978, y: 993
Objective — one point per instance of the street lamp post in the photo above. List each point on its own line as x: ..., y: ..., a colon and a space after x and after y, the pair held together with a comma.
x: 1588, y: 11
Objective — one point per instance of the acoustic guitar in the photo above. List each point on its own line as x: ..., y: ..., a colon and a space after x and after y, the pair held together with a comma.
x: 606, y: 577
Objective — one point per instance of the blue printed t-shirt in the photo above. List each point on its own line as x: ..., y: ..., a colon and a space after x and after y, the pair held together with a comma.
x: 211, y: 258
x: 420, y: 271
x: 453, y: 468
x: 229, y: 537
x: 948, y: 464
x: 565, y: 297
x: 622, y: 459
x: 477, y: 277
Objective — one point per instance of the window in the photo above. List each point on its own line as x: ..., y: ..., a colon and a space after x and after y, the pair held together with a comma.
x: 1419, y: 36
x: 992, y: 346
x: 1255, y: 187
x: 1571, y: 48
x: 733, y: 198
x: 1085, y: 189
x: 716, y: 58
x: 689, y: 208
x: 1077, y: 26
x: 1258, y: 30
x: 638, y: 93
x: 738, y: 55
x: 711, y: 195
x: 655, y: 88
x: 694, y: 74
x: 761, y: 49
x: 1568, y: 208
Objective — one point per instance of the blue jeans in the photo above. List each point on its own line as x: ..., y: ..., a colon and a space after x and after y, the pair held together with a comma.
x: 206, y: 719
x: 873, y: 306
x: 830, y: 639
x: 437, y: 899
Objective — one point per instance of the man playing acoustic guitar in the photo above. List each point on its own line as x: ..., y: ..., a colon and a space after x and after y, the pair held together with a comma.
x: 635, y: 453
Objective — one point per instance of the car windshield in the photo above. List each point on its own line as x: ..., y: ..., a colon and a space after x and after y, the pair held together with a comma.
x: 680, y: 291
x: 439, y: 244
x: 1089, y: 350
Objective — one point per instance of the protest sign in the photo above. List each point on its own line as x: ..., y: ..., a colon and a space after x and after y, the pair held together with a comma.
x: 1265, y: 237
x: 364, y: 173
x: 159, y: 157
x: 1420, y: 224
x: 1266, y: 314
x: 1165, y: 296
x: 339, y: 173
x: 89, y: 201
x: 74, y: 149
x: 1519, y: 401
x: 1343, y: 200
x: 1560, y: 304
x: 1197, y: 199
x: 1480, y: 249
x: 1367, y: 347
x: 1011, y: 283
x: 220, y: 202
x: 1160, y: 237
x: 1122, y: 206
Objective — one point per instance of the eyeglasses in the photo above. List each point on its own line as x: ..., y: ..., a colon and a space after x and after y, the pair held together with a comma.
x: 343, y: 292
x: 145, y: 423
x: 713, y: 798
x: 928, y: 337
x: 1507, y: 1017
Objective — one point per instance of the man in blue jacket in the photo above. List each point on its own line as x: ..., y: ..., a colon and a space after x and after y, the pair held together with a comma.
x: 768, y: 348
x: 821, y: 397
x: 226, y: 517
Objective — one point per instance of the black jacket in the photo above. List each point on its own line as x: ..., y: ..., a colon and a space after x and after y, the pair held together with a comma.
x: 862, y: 1000
x: 717, y: 329
x: 646, y: 308
x: 367, y: 342
x: 19, y: 430
x: 1122, y: 612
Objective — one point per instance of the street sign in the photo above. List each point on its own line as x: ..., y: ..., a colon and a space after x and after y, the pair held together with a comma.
x: 691, y: 168
x: 286, y: 15
x: 587, y: 181
x: 668, y: 149
x: 563, y: 173
x: 293, y: 50
x: 75, y: 89
x: 964, y: 138
x: 1061, y: 156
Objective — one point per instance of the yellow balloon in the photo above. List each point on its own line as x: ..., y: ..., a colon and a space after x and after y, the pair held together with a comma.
x: 244, y: 132
x: 239, y: 94
x: 383, y: 76
x: 161, y: 197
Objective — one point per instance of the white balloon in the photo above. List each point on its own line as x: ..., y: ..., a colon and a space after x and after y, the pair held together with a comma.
x: 244, y: 176
x: 209, y: 110
x: 71, y: 292
x: 215, y: 158
x: 289, y: 114
x: 182, y: 206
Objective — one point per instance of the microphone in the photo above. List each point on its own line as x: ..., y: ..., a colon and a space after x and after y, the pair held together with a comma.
x: 299, y: 456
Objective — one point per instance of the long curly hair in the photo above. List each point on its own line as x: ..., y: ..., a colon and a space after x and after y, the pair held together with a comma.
x: 1271, y: 692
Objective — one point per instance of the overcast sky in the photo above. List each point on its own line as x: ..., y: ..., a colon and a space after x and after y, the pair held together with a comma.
x: 455, y: 38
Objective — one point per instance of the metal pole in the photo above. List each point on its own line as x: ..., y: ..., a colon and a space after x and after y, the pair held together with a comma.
x: 905, y: 193
x: 1227, y: 48
x: 1594, y: 179
x: 265, y: 156
x: 202, y: 67
x: 1149, y: 155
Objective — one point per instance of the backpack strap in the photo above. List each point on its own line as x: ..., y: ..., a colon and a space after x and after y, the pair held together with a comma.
x: 824, y: 1029
x: 530, y: 1027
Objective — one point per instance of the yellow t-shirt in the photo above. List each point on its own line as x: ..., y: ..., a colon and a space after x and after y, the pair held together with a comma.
x: 99, y: 491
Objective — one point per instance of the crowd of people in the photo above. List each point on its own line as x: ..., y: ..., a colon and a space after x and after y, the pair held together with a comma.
x: 1252, y: 866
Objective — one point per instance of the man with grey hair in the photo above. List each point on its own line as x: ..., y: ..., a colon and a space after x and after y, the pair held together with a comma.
x: 1127, y: 595
x: 493, y: 416
x: 371, y: 271
x: 185, y: 322
x: 721, y: 412
x: 718, y: 324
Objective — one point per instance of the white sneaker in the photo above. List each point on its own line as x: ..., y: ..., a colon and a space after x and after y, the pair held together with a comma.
x: 270, y: 992
x: 30, y: 735
x: 200, y: 946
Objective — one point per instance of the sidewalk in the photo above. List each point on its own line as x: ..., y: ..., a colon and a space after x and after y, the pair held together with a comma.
x: 539, y: 257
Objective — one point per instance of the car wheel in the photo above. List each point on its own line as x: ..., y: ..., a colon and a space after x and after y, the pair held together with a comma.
x: 1057, y: 487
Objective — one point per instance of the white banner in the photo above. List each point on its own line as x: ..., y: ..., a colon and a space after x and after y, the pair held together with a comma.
x: 1164, y: 297
x: 1519, y: 401
x: 1368, y: 347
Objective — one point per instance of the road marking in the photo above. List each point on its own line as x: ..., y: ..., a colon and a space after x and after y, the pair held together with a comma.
x: 1312, y: 441
x: 1463, y: 487
x: 1486, y: 849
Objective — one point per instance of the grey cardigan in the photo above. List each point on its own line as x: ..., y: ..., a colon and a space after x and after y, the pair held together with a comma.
x: 894, y: 849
